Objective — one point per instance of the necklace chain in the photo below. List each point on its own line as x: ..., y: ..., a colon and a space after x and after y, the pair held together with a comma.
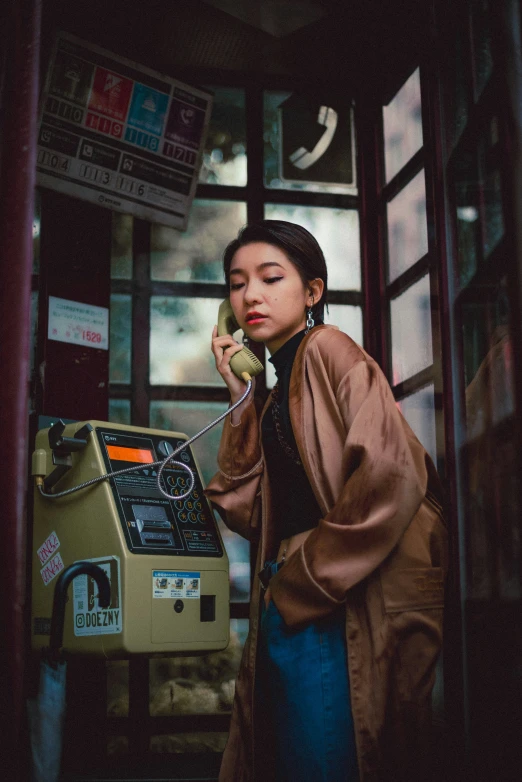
x: 276, y: 417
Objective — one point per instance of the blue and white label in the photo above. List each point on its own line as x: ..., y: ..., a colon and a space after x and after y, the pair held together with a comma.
x: 175, y: 583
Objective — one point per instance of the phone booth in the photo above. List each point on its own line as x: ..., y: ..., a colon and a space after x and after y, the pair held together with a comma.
x: 392, y: 133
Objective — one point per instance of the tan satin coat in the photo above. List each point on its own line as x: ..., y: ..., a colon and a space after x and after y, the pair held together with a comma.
x: 380, y: 549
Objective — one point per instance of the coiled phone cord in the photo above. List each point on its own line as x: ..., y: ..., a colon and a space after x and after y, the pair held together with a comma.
x: 162, y: 463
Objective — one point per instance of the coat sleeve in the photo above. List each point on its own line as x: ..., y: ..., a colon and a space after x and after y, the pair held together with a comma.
x: 385, y: 484
x: 234, y: 489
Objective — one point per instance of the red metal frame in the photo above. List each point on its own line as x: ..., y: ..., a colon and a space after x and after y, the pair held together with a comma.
x: 20, y: 88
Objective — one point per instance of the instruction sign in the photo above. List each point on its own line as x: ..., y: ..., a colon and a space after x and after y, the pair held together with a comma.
x: 170, y: 583
x: 89, y: 617
x: 81, y: 324
x: 120, y: 135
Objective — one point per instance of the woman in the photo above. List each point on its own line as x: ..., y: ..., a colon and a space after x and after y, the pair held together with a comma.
x: 343, y: 504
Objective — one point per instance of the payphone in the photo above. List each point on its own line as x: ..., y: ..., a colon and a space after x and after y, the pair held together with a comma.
x: 131, y: 501
x: 151, y: 529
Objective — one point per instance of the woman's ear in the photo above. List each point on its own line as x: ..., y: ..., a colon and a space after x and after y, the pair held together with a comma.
x: 315, y: 290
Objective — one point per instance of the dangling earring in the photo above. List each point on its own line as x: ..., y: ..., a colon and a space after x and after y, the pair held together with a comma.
x: 245, y: 341
x: 310, y: 322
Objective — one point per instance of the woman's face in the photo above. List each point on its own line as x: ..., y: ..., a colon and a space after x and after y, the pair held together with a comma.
x: 267, y: 294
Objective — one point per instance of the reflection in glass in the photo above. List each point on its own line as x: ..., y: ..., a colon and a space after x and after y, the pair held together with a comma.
x: 402, y: 119
x: 407, y: 229
x: 190, y: 418
x: 337, y: 231
x: 224, y: 156
x: 180, y: 335
x: 196, y: 254
x: 457, y: 79
x: 419, y: 411
x: 488, y: 361
x: 119, y: 411
x: 272, y: 151
x: 121, y: 246
x: 493, y: 211
x: 196, y: 685
x: 120, y: 339
x: 468, y: 215
x: 489, y: 456
x: 482, y: 44
x: 411, y: 331
x: 117, y: 688
x: 345, y: 316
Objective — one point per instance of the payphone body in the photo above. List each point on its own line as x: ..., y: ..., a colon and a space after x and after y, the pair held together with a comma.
x: 164, y: 557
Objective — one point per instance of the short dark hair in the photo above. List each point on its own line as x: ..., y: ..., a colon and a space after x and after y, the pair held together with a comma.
x: 298, y: 244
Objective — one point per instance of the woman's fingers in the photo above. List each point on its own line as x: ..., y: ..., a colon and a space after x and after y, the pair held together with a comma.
x: 224, y: 348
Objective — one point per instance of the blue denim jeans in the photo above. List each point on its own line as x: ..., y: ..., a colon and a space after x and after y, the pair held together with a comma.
x: 304, y: 693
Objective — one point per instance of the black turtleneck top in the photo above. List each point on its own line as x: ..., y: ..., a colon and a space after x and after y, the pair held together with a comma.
x: 293, y: 502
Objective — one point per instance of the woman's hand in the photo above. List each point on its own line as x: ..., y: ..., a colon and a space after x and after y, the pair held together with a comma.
x: 223, y: 349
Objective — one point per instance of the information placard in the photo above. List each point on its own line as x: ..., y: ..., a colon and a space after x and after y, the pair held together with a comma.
x: 120, y: 135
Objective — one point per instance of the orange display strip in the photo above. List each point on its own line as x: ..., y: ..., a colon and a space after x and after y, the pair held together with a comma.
x: 124, y: 454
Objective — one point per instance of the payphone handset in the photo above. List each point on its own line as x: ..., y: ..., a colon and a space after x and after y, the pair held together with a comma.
x: 243, y: 362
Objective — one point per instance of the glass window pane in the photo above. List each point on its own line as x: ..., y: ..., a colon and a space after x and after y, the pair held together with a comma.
x: 410, y: 313
x: 272, y: 150
x: 482, y: 44
x: 120, y: 339
x: 488, y: 360
x: 224, y: 156
x: 117, y: 688
x: 196, y: 254
x: 337, y: 231
x: 121, y: 246
x: 490, y: 167
x: 489, y: 454
x: 120, y: 411
x: 348, y: 318
x: 468, y: 215
x: 419, y: 411
x: 407, y: 229
x: 402, y: 119
x: 345, y: 316
x: 457, y: 80
x: 180, y: 336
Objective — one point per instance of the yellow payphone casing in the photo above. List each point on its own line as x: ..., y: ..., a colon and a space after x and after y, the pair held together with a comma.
x: 165, y: 558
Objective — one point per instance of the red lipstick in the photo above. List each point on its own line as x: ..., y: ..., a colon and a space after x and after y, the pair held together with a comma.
x: 254, y: 317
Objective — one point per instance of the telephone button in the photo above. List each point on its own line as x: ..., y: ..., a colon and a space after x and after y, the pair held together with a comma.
x: 198, y: 506
x: 193, y: 517
x: 201, y: 518
x: 183, y: 516
x: 179, y: 505
x: 195, y: 495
